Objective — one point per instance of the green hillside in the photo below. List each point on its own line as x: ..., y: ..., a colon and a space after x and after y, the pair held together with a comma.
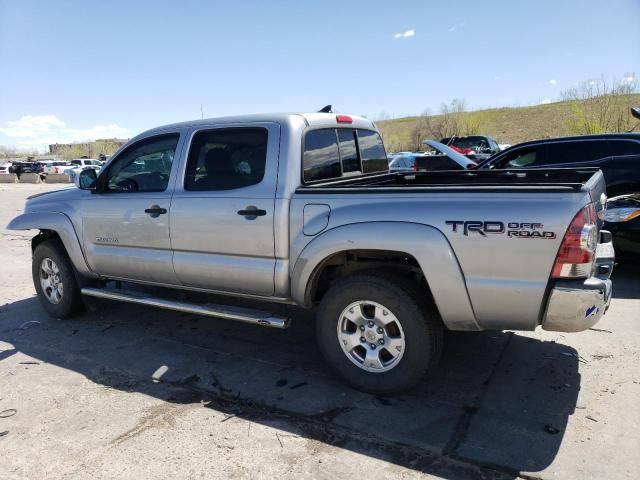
x: 517, y: 124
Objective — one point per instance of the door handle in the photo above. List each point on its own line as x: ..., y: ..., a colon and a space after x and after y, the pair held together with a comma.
x: 155, y: 210
x: 252, y: 212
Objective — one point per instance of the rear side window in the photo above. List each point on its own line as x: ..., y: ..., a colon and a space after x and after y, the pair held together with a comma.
x: 576, y: 152
x: 374, y: 158
x: 623, y: 147
x: 226, y: 158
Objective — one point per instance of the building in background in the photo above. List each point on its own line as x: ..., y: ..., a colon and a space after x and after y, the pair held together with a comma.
x: 56, y: 148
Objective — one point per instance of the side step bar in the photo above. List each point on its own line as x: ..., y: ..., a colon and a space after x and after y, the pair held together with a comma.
x: 255, y: 317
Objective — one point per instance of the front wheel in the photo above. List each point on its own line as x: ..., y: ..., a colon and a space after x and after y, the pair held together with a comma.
x: 54, y: 280
x: 379, y: 333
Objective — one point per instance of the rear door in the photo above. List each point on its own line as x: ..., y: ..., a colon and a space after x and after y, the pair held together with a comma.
x: 222, y: 221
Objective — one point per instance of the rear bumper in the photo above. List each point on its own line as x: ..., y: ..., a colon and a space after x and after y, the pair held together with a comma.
x: 577, y: 305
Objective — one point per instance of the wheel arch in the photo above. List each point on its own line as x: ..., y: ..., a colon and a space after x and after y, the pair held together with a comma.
x: 423, y: 250
x: 53, y: 225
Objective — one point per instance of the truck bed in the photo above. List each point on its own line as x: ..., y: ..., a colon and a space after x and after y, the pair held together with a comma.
x: 551, y: 180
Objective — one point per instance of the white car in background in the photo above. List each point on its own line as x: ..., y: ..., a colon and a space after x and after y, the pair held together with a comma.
x: 55, y: 166
x: 5, y: 168
x: 80, y: 164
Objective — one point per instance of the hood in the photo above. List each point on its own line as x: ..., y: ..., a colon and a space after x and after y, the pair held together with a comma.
x: 49, y: 200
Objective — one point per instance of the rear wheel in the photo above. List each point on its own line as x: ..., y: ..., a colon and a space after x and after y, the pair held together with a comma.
x: 54, y: 280
x: 379, y: 333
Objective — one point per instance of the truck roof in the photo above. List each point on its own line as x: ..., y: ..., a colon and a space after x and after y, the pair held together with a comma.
x: 312, y: 119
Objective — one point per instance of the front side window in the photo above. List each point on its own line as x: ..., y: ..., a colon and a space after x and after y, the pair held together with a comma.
x: 374, y: 157
x: 143, y: 167
x: 520, y: 158
x: 226, y: 159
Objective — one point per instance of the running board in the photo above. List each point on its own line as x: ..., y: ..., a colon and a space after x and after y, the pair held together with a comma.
x: 255, y: 317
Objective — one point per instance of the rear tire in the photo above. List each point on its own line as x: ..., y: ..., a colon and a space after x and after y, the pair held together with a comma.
x: 54, y: 280
x: 379, y: 332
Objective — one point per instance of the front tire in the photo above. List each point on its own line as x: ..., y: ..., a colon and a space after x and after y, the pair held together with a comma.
x: 379, y: 333
x: 54, y: 280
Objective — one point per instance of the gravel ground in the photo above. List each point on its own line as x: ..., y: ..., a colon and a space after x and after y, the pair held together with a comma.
x: 132, y: 392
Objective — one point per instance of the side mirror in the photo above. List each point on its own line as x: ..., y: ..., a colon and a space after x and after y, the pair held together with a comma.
x: 86, y: 179
x: 635, y: 111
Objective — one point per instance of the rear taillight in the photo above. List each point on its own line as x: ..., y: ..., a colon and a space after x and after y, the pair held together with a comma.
x: 575, y: 257
x: 414, y: 167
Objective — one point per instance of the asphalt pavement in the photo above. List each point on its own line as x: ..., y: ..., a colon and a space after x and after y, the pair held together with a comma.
x: 127, y: 391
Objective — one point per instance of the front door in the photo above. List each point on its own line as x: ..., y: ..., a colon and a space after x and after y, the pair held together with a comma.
x: 222, y: 216
x: 125, y: 222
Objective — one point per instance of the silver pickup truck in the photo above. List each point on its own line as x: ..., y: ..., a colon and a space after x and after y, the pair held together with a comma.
x: 300, y: 209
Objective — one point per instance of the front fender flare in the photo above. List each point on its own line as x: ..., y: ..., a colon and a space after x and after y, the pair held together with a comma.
x: 426, y: 244
x: 59, y: 223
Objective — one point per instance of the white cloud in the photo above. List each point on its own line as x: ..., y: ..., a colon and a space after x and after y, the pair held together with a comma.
x: 40, y: 130
x: 453, y: 28
x: 545, y: 101
x: 497, y: 78
x: 553, y: 82
x: 407, y: 34
x: 630, y: 78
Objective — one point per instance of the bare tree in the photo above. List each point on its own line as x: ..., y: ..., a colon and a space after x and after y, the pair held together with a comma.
x: 12, y: 152
x: 600, y: 106
x: 420, y: 130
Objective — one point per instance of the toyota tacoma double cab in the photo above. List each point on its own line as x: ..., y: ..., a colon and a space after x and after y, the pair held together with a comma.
x: 300, y: 209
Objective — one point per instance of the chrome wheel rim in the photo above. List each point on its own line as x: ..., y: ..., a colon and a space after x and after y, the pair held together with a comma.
x: 371, y: 336
x: 51, y: 281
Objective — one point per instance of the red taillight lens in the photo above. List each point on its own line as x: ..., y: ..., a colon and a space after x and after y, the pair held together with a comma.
x: 414, y: 167
x: 575, y: 257
x: 344, y: 119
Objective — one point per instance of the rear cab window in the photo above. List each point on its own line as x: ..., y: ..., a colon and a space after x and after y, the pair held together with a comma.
x: 331, y: 153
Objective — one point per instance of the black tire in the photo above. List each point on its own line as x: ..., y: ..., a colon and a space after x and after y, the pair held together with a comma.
x: 70, y: 303
x: 419, y: 319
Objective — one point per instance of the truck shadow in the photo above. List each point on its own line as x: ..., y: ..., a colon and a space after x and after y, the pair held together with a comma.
x: 499, y: 403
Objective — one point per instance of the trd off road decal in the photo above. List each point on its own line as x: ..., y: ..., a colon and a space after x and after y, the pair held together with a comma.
x: 511, y: 229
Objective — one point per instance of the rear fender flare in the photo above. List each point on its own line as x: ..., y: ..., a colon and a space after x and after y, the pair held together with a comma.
x: 426, y: 244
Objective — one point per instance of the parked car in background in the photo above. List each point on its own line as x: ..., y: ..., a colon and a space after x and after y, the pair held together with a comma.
x: 56, y: 166
x: 616, y: 154
x: 6, y: 168
x: 87, y: 163
x: 622, y: 219
x: 441, y: 157
x: 476, y: 147
x: 26, y: 167
x: 403, y: 161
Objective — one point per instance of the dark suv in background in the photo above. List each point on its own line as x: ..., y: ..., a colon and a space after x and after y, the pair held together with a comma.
x: 617, y: 155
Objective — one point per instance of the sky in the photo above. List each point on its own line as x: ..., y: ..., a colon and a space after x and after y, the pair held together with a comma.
x: 80, y: 70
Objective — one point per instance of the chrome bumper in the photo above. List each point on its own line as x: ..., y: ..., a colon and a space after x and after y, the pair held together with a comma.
x: 576, y: 305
